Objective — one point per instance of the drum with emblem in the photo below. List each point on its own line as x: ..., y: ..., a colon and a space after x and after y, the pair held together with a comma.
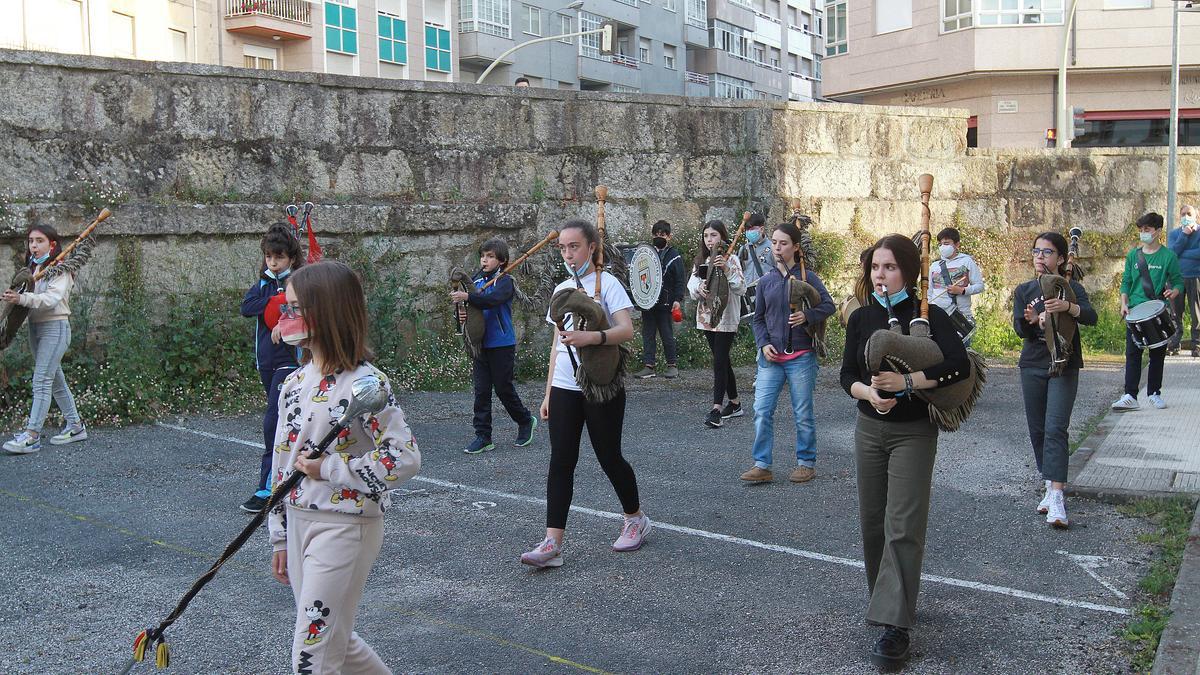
x: 645, y: 276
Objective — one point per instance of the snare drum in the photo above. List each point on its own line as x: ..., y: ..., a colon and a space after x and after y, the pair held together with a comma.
x: 1151, y: 323
x: 747, y: 309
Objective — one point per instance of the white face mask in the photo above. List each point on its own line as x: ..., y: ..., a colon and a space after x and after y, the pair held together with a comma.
x: 1146, y: 237
x: 946, y: 250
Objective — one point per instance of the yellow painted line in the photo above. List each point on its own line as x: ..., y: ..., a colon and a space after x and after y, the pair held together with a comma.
x: 260, y: 570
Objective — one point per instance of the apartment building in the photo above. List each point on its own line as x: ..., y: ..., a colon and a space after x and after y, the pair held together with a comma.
x: 999, y: 59
x: 721, y: 48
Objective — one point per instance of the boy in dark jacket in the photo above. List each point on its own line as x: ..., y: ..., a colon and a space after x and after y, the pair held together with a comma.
x: 1184, y: 241
x: 494, y: 367
x: 658, y: 318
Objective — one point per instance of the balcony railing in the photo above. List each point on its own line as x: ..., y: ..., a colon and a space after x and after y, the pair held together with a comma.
x: 696, y: 78
x: 627, y: 61
x: 299, y: 11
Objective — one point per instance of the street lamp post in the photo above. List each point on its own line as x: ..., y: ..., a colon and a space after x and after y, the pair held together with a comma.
x: 1173, y: 132
x: 1060, y: 119
x: 577, y: 5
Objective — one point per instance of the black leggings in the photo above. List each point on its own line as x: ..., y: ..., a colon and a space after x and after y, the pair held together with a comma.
x: 724, y: 381
x: 569, y: 412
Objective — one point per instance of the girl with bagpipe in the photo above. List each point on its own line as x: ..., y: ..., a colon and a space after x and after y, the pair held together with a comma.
x: 718, y: 317
x: 328, y: 531
x: 895, y: 440
x: 274, y: 359
x: 1047, y: 311
x: 790, y: 309
x: 590, y: 313
x: 49, y: 338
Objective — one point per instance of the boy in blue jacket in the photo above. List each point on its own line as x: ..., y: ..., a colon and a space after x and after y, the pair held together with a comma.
x: 494, y: 367
x: 1185, y: 242
x: 274, y: 358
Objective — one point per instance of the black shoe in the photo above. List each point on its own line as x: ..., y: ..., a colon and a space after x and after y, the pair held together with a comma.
x: 732, y: 410
x: 254, y: 505
x: 1173, y: 351
x: 1196, y: 352
x: 891, y: 651
x: 525, y: 432
x: 714, y: 418
x: 479, y: 445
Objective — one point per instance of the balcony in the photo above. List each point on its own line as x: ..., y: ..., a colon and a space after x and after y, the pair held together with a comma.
x: 696, y: 78
x: 285, y: 19
x: 627, y: 61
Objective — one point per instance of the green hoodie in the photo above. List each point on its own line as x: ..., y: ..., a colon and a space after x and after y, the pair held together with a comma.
x: 1164, y: 267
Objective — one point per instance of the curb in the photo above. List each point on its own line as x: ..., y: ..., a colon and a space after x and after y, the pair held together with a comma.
x: 1179, y: 647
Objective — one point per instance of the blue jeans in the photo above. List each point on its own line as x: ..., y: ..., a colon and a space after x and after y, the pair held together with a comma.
x: 800, y: 374
x: 48, y: 340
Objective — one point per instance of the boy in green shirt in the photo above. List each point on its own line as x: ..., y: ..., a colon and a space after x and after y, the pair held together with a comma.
x: 1166, y: 282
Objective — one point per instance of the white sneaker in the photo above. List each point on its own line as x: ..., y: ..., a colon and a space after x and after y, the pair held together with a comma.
x: 1158, y: 401
x: 1126, y: 402
x: 70, y: 434
x: 1044, y: 505
x: 1057, y: 517
x: 24, y: 443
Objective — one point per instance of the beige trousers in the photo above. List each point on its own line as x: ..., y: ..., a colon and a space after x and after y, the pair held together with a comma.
x: 329, y: 556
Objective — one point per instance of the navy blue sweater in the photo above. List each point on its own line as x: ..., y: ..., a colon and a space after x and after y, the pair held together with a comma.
x: 1187, y: 247
x: 267, y: 354
x: 772, y: 308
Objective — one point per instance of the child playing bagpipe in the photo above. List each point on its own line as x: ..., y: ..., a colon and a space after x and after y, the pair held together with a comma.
x: 49, y: 337
x: 274, y: 358
x: 328, y: 531
x: 493, y: 369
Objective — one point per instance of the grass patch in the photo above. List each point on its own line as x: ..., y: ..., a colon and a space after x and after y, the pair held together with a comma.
x: 1173, y: 519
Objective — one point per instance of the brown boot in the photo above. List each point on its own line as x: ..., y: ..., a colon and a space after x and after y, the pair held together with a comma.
x: 802, y: 474
x: 757, y: 475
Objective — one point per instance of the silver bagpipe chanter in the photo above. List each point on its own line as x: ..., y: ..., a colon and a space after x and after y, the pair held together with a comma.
x: 949, y: 405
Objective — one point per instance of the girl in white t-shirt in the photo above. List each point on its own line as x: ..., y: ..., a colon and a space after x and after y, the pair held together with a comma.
x: 567, y: 411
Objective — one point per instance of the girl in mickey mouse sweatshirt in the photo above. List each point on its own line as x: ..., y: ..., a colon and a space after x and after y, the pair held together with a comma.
x: 327, y: 532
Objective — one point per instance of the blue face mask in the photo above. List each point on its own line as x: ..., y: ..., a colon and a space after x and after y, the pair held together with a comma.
x: 582, y: 271
x: 897, y: 297
x: 278, y: 277
x: 41, y: 259
x: 753, y: 236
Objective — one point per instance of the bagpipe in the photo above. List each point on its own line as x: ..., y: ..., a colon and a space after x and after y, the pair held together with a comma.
x: 1061, y: 326
x: 468, y: 319
x: 367, y: 397
x: 68, y: 261
x: 600, y: 369
x: 717, y: 280
x: 801, y: 294
x: 949, y: 405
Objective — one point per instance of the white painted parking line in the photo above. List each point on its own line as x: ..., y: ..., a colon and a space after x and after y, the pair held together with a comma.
x: 717, y: 536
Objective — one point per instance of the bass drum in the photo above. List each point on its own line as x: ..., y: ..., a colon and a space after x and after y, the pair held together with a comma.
x: 645, y: 276
x: 1151, y: 323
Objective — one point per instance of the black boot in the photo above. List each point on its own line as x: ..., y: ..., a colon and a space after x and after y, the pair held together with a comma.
x: 890, y: 653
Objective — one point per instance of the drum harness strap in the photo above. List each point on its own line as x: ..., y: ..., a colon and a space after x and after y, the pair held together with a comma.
x: 1144, y: 269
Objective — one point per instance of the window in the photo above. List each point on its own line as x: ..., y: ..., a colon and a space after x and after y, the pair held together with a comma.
x: 1016, y: 12
x: 730, y: 38
x: 179, y: 47
x: 835, y: 36
x: 669, y: 57
x: 1128, y: 4
x: 817, y: 67
x: 566, y: 27
x: 121, y: 27
x: 956, y: 15
x: 393, y: 39
x: 697, y: 13
x: 261, y: 58
x: 669, y: 5
x: 643, y: 50
x: 748, y: 4
x: 485, y: 16
x: 621, y: 88
x: 774, y: 55
x: 793, y: 63
x: 589, y: 45
x: 893, y: 15
x: 341, y: 26
x: 760, y: 53
x: 724, y: 86
x: 531, y: 20
x: 437, y: 48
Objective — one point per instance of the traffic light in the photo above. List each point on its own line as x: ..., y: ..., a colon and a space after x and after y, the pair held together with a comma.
x: 608, y: 37
x: 1078, y: 123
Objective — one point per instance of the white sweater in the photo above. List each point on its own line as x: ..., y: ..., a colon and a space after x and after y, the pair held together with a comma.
x: 48, y: 299
x: 375, y: 454
x: 961, y: 266
x: 728, y: 321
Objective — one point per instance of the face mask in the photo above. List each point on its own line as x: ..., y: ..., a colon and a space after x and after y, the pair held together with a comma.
x: 293, y: 330
x: 946, y: 250
x: 582, y: 271
x: 1188, y: 221
x: 278, y: 277
x: 660, y: 242
x: 753, y: 236
x: 1146, y: 237
x: 42, y: 258
x: 897, y: 297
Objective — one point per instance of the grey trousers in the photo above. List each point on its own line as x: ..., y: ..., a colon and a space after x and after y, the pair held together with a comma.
x: 1048, y: 405
x: 48, y: 340
x: 895, y: 471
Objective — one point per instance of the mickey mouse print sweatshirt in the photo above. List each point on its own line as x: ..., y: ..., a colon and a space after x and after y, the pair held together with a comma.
x: 373, y: 455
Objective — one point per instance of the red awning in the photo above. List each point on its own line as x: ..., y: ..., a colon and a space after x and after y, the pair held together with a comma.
x: 1161, y: 114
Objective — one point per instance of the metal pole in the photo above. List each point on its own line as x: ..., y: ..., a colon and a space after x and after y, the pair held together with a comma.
x: 1173, y: 134
x: 548, y: 38
x: 1061, y: 116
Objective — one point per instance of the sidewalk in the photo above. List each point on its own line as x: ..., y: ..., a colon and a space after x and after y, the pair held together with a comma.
x: 1146, y: 452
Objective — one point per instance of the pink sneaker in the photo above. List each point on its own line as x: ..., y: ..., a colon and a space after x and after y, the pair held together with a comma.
x: 633, y: 534
x: 546, y: 554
